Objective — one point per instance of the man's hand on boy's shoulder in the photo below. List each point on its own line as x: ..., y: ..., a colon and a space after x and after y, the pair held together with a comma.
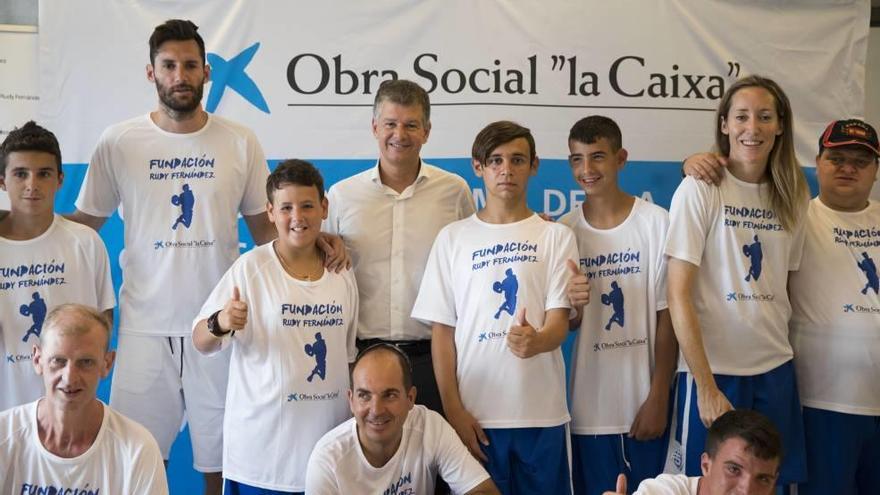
x: 707, y: 167
x: 336, y: 256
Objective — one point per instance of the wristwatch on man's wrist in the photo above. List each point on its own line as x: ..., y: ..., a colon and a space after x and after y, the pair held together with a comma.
x: 214, y: 326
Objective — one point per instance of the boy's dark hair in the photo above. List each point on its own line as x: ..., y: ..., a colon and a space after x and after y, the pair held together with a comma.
x: 498, y: 133
x: 30, y: 137
x: 761, y: 437
x: 403, y: 92
x: 402, y: 359
x: 590, y: 129
x: 175, y: 30
x: 297, y: 172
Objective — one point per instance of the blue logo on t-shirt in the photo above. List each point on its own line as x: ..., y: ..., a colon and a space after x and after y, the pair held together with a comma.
x: 37, y: 311
x: 318, y: 349
x: 185, y: 200
x: 614, y: 298
x: 867, y: 265
x: 509, y: 287
x: 754, y: 252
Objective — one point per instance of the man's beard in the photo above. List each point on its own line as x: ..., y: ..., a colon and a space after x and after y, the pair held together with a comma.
x: 179, y: 105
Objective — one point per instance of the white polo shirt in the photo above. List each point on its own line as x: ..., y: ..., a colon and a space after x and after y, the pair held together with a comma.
x: 389, y: 236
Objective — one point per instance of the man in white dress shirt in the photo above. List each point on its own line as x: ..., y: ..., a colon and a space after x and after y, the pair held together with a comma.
x: 388, y: 217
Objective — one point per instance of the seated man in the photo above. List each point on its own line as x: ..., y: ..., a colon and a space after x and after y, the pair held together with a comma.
x: 391, y: 444
x: 743, y: 454
x: 68, y: 441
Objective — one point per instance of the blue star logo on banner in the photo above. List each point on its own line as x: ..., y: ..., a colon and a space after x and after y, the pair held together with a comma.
x: 230, y: 73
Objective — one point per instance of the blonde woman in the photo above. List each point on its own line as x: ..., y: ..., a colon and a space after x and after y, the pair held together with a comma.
x: 730, y: 249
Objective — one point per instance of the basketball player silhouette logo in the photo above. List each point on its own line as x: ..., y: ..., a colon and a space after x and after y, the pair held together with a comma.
x: 318, y: 350
x: 36, y: 310
x: 185, y: 200
x: 509, y: 286
x: 754, y: 252
x: 614, y: 298
x: 867, y: 265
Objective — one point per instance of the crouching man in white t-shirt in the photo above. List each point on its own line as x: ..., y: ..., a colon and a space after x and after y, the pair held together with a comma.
x: 391, y: 445
x: 69, y: 441
x: 743, y: 454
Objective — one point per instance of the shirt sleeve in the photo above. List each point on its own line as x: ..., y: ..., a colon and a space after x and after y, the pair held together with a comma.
x: 99, y: 194
x: 254, y: 199
x: 466, y: 205
x: 565, y: 248
x: 321, y: 474
x: 148, y: 470
x: 351, y: 336
x: 436, y: 299
x: 660, y: 263
x: 104, y: 291
x: 797, y: 242
x: 690, y: 219
x: 461, y: 471
x: 221, y: 293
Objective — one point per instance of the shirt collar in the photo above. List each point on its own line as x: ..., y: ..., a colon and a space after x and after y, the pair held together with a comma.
x: 425, y: 173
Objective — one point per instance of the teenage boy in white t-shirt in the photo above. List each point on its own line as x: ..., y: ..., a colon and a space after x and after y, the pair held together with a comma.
x: 625, y: 353
x: 46, y: 259
x: 495, y: 290
x: 291, y: 324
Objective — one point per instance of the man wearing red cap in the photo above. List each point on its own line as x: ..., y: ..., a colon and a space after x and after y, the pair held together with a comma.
x: 835, y: 324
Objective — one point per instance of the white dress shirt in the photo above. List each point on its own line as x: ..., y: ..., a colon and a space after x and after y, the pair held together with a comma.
x: 389, y: 236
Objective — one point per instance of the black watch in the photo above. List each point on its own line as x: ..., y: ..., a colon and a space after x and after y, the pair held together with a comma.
x: 214, y: 326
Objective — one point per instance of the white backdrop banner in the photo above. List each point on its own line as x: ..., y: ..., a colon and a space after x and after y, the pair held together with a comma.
x: 303, y: 74
x: 18, y: 84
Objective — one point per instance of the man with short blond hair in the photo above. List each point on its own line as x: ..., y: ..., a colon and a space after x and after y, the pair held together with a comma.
x: 69, y: 440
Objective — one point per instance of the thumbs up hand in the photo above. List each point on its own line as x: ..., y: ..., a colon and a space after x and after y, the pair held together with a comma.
x: 621, y: 486
x: 522, y: 339
x: 578, y: 287
x: 234, y: 315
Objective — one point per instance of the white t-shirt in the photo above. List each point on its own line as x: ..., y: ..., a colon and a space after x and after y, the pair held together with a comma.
x: 389, y: 236
x: 180, y: 195
x: 669, y: 484
x: 288, y: 371
x: 124, y: 458
x: 66, y: 264
x: 613, y: 356
x: 835, y: 323
x: 428, y: 447
x: 744, y: 258
x: 477, y: 278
